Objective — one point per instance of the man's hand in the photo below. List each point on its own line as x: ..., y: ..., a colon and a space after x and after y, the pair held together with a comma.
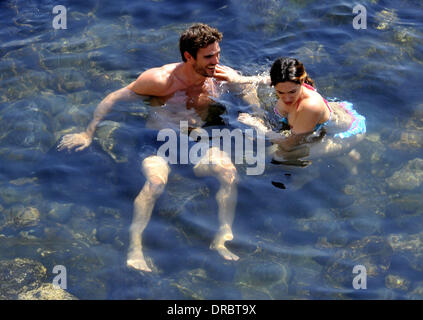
x: 73, y: 140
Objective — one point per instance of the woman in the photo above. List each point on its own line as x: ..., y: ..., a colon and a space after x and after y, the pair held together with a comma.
x: 304, y: 112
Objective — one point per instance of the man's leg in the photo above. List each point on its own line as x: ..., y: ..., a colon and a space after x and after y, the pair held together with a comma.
x: 218, y: 164
x: 156, y: 170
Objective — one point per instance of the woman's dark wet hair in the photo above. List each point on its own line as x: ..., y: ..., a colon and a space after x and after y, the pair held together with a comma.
x: 197, y: 36
x: 289, y: 69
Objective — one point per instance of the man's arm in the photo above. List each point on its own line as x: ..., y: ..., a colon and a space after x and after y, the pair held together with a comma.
x: 106, y: 105
x: 150, y: 83
x: 83, y: 139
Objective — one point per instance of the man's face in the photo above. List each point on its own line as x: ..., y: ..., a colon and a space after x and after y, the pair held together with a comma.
x: 207, y: 59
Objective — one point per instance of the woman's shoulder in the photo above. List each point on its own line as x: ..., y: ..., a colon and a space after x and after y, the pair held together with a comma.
x: 312, y: 103
x: 280, y: 109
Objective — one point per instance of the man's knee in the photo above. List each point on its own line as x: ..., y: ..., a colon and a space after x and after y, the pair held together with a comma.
x: 227, y: 171
x: 156, y: 170
x: 219, y: 157
x: 230, y: 175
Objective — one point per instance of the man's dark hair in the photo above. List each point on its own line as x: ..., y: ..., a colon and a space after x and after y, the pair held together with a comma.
x: 197, y: 36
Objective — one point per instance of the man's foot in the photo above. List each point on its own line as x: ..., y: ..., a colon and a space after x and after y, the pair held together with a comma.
x: 224, y: 252
x: 218, y: 244
x: 136, y: 261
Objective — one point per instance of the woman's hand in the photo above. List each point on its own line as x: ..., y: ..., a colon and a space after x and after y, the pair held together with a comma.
x: 73, y: 140
x: 251, y: 121
x: 227, y: 74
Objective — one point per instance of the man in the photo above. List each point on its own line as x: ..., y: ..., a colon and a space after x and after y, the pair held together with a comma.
x: 186, y: 88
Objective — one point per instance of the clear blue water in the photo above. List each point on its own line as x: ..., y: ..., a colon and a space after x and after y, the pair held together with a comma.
x: 298, y: 231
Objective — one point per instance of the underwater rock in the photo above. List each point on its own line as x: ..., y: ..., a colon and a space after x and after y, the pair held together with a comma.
x: 322, y: 222
x: 109, y: 225
x: 99, y: 35
x: 7, y: 69
x: 22, y: 216
x: 305, y: 279
x: 270, y: 16
x: 372, y: 149
x: 70, y: 80
x: 25, y: 112
x: 417, y: 293
x: 406, y: 210
x: 60, y: 212
x: 9, y: 195
x: 374, y: 253
x: 262, y: 280
x: 189, y: 198
x: 365, y: 218
x: 26, y: 58
x: 405, y: 35
x: 19, y: 276
x: 410, y: 136
x: 51, y: 61
x: 106, y: 234
x: 193, y: 284
x: 82, y: 225
x: 397, y: 282
x: 407, y: 204
x: 378, y: 61
x: 116, y: 140
x: 410, y: 247
x: 3, y: 218
x: 46, y: 292
x: 336, y: 239
x: 410, y: 39
x: 311, y: 53
x: 20, y: 192
x: 72, y: 115
x: 85, y: 265
x: 84, y: 97
x: 263, y: 274
x: 416, y: 120
x: 366, y: 215
x: 385, y: 19
x: 25, y: 133
x: 384, y: 294
x: 409, y: 140
x: 409, y: 177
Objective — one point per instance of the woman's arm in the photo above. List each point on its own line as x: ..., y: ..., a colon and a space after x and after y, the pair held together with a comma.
x: 258, y: 124
x: 233, y: 76
x: 308, y: 116
x: 288, y: 141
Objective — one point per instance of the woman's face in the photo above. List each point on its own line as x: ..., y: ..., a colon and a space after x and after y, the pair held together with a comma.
x: 288, y: 92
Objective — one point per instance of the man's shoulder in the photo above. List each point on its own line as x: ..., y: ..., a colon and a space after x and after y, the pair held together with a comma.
x: 154, y: 81
x: 160, y: 75
x: 164, y: 71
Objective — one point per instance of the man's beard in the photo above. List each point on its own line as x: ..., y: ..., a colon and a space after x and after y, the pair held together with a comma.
x: 204, y: 71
